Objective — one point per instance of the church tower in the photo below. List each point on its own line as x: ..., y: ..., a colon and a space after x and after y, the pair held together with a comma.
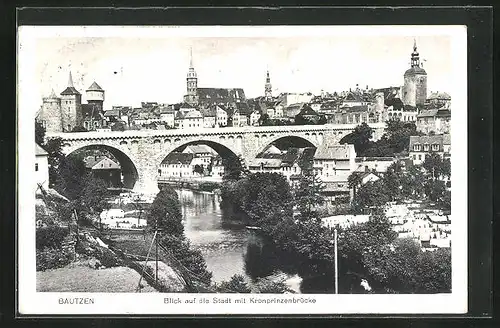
x: 71, y: 106
x: 191, y: 83
x: 51, y: 115
x: 415, y: 81
x: 268, y: 88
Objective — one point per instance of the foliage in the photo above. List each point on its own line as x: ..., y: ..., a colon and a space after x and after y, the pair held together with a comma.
x: 360, y: 138
x: 234, y: 168
x: 187, y: 258
x: 236, y: 284
x: 165, y: 212
x: 371, y: 195
x: 308, y: 191
x: 79, y: 128
x: 39, y: 133
x: 437, y: 166
x: 70, y: 173
x: 93, y: 196
x: 52, y: 258
x: 268, y: 286
x: 56, y: 156
x: 118, y: 126
x: 50, y: 236
x: 198, y: 169
x: 209, y: 186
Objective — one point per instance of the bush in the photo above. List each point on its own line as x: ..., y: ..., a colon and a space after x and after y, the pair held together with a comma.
x: 52, y: 258
x: 209, y: 186
x: 267, y: 286
x: 50, y: 236
x: 236, y: 284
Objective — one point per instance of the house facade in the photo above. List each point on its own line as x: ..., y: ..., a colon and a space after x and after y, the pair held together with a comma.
x: 41, y: 167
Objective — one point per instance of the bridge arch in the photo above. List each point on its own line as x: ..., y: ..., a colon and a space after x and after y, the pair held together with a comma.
x: 289, y: 140
x: 225, y: 150
x: 129, y: 170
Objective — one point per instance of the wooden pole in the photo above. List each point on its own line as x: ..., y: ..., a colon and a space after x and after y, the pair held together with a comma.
x: 156, y: 274
x: 336, y: 263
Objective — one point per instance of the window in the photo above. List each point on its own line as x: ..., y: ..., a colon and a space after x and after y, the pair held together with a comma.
x: 416, y: 147
x: 36, y: 166
x: 426, y: 147
x: 419, y: 157
x: 435, y: 147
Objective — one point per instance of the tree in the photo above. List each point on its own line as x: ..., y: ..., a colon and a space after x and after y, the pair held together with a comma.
x: 93, y: 196
x: 437, y: 166
x: 118, y: 126
x: 79, y: 128
x: 70, y: 174
x: 308, y: 192
x: 165, y: 213
x: 360, y: 138
x: 39, y: 133
x: 372, y: 194
x: 198, y: 169
x: 56, y: 156
x: 263, y: 119
x: 234, y: 168
x: 236, y: 284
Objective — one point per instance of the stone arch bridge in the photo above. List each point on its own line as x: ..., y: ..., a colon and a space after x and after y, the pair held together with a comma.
x: 141, y: 152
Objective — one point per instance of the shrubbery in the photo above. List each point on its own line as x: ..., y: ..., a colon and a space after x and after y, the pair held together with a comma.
x: 52, y: 258
x: 50, y: 236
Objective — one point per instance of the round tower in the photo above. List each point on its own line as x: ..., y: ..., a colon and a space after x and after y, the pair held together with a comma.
x: 415, y: 81
x: 95, y: 95
x: 51, y: 114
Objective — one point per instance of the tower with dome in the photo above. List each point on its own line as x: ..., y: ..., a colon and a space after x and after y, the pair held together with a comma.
x: 415, y: 81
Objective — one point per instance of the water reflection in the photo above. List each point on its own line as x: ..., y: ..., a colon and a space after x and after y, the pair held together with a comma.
x: 229, y: 248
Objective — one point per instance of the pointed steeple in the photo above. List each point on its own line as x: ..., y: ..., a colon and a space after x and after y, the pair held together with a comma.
x: 414, y: 44
x: 70, y: 81
x: 70, y: 89
x: 191, y: 57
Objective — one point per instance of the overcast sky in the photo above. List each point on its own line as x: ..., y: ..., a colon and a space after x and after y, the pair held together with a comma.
x: 132, y: 69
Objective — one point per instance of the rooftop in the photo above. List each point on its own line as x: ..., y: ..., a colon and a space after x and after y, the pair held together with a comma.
x: 39, y: 151
x: 178, y: 158
x: 334, y: 151
x: 95, y: 87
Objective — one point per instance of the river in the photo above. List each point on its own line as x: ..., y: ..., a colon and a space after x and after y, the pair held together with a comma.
x: 228, y: 249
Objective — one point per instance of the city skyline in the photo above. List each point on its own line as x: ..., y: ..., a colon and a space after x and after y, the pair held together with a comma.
x: 132, y: 70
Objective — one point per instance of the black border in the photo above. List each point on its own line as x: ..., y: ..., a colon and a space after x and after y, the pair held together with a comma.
x: 478, y: 20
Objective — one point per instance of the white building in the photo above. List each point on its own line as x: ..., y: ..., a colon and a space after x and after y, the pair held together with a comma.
x: 254, y: 118
x: 189, y: 120
x: 332, y: 161
x: 422, y: 146
x: 221, y: 116
x: 41, y: 167
x: 167, y: 116
x: 176, y: 165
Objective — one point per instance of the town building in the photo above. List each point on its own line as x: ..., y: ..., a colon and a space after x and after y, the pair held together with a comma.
x: 176, y: 165
x: 217, y: 167
x: 422, y: 146
x: 434, y: 121
x: 104, y: 168
x: 374, y: 164
x: 167, y: 116
x: 41, y: 167
x: 254, y: 117
x: 209, y: 117
x: 190, y: 120
x: 287, y: 99
x: 439, y: 99
x: 334, y: 161
x: 415, y: 82
x: 203, y: 155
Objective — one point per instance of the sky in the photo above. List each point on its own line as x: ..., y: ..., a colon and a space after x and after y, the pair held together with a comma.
x: 133, y: 69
